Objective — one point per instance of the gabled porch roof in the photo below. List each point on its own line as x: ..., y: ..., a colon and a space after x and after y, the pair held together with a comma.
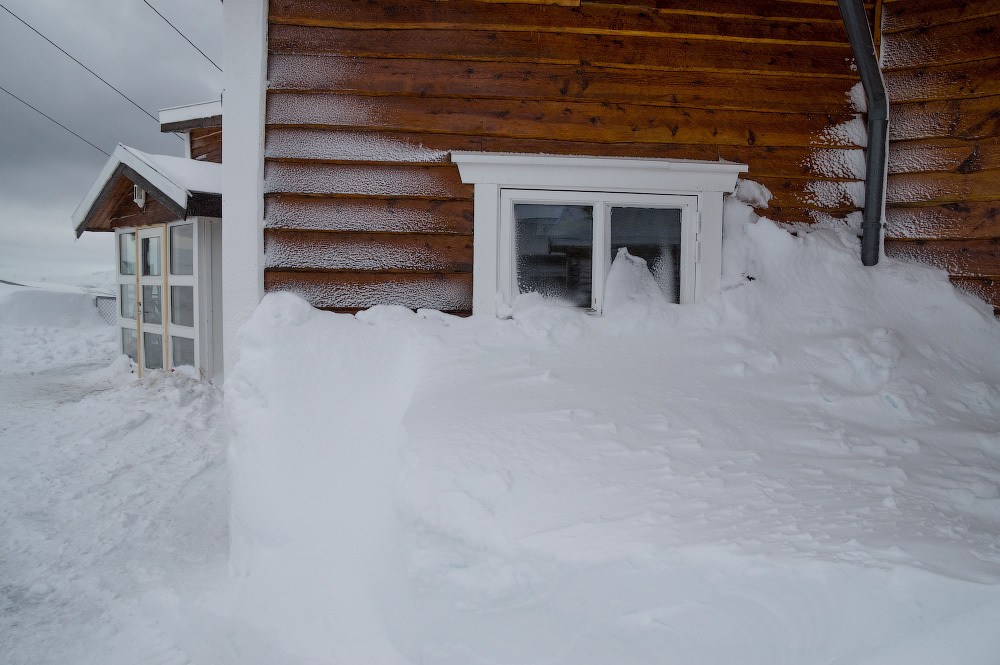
x: 185, y: 187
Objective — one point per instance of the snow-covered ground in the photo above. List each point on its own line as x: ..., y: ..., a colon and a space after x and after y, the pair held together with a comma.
x: 112, y: 489
x: 803, y: 470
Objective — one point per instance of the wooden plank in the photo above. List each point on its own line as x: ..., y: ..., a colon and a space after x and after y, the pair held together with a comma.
x: 105, y: 206
x: 322, y: 250
x: 922, y: 188
x: 591, y: 19
x: 368, y: 214
x: 987, y: 290
x: 398, y: 146
x: 444, y: 291
x: 571, y: 121
x: 129, y: 214
x: 668, y: 53
x: 778, y: 10
x: 949, y: 221
x: 944, y: 155
x: 966, y: 41
x: 899, y: 16
x: 961, y: 258
x: 821, y: 195
x: 388, y: 180
x: 807, y: 215
x: 196, y: 123
x: 966, y: 119
x: 967, y: 79
x: 469, y: 78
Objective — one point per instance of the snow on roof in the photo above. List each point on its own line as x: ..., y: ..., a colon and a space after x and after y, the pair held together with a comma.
x: 191, y: 112
x: 174, y: 177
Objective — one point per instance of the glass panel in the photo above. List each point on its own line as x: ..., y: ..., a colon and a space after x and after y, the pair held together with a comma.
x: 182, y: 249
x: 554, y: 250
x: 181, y: 351
x: 130, y: 344
x: 152, y: 308
x: 152, y: 350
x: 126, y: 296
x: 126, y: 254
x: 182, y: 305
x: 152, y: 257
x: 653, y: 234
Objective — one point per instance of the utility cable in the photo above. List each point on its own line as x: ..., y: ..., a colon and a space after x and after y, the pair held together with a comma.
x: 182, y: 35
x: 53, y: 120
x: 124, y: 96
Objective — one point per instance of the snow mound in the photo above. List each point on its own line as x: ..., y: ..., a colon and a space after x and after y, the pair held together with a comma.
x: 805, y: 469
x: 38, y: 307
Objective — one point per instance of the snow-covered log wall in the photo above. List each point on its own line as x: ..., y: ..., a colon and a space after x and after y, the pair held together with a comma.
x: 941, y: 62
x: 366, y: 98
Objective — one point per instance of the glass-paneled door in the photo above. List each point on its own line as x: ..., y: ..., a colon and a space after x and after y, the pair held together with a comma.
x: 151, y: 296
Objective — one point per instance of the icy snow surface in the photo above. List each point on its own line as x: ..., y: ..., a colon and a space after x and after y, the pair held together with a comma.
x: 803, y: 470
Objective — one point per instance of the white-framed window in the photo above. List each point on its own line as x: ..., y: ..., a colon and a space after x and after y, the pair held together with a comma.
x: 552, y: 223
x: 167, y: 278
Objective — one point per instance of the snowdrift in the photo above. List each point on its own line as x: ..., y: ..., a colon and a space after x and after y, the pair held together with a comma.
x: 805, y: 469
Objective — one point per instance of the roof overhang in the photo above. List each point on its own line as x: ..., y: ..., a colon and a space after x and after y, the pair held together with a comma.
x: 186, y: 187
x: 191, y: 116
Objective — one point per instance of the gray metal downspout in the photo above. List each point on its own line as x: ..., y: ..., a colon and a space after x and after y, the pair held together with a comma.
x: 876, y: 163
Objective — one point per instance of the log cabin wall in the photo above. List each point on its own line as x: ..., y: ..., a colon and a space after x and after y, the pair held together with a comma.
x: 206, y: 144
x: 942, y: 68
x: 366, y: 97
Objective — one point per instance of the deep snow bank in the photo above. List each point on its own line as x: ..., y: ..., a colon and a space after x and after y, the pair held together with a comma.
x: 803, y: 470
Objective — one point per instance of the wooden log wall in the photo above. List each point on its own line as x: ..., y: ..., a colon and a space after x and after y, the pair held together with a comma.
x: 206, y: 144
x: 367, y: 97
x: 942, y: 69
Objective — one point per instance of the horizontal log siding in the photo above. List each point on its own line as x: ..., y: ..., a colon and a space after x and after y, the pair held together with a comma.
x: 366, y: 98
x: 206, y: 144
x: 943, y: 192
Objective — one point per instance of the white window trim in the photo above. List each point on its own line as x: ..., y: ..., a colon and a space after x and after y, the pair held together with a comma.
x: 494, y: 173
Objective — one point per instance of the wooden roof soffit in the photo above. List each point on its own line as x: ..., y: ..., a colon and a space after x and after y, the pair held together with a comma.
x: 191, y: 116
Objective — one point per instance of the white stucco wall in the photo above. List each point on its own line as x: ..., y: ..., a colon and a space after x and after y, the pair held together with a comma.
x: 243, y: 177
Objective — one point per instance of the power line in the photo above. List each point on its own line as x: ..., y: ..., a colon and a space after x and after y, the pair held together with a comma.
x: 182, y: 35
x: 53, y: 120
x: 126, y: 97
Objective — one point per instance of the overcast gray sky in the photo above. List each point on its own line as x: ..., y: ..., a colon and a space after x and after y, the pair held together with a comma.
x: 44, y: 170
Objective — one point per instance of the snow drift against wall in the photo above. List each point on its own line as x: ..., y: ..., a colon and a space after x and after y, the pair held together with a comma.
x: 805, y: 469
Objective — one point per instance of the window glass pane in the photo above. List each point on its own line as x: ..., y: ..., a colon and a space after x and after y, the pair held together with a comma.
x: 653, y: 234
x: 182, y: 305
x: 152, y: 350
x: 152, y: 255
x: 152, y: 307
x: 130, y: 344
x: 554, y: 250
x: 181, y: 351
x: 127, y: 298
x: 126, y: 254
x: 182, y: 249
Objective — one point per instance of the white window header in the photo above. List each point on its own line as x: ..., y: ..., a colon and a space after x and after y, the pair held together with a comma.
x: 610, y: 174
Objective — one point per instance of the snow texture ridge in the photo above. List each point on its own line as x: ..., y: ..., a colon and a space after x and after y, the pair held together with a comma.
x: 803, y: 470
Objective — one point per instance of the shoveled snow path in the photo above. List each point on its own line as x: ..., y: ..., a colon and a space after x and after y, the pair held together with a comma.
x: 111, y: 488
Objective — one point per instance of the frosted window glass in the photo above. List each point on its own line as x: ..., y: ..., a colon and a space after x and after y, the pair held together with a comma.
x: 127, y: 297
x: 152, y: 350
x: 182, y: 351
x: 152, y: 305
x: 126, y: 254
x: 554, y: 245
x: 152, y: 257
x: 182, y: 249
x: 182, y: 305
x: 130, y: 344
x: 653, y: 234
